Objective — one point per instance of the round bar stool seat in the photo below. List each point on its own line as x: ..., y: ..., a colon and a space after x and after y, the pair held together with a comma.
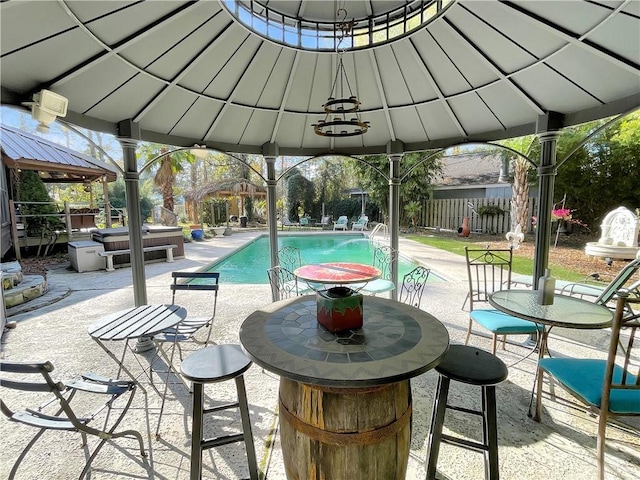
x: 473, y: 366
x: 215, y: 364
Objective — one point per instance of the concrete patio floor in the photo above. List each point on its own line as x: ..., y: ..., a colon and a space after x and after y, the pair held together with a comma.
x: 561, y: 446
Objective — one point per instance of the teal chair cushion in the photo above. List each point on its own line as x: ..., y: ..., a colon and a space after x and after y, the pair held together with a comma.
x: 378, y: 285
x: 585, y: 377
x: 503, y: 324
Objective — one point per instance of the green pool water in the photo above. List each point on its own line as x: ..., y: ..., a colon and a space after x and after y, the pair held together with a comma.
x: 249, y: 264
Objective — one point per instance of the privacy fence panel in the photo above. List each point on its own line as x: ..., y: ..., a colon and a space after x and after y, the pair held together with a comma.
x: 449, y: 213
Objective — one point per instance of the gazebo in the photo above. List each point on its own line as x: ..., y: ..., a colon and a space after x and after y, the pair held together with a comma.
x: 263, y: 78
x: 232, y: 187
x: 54, y: 164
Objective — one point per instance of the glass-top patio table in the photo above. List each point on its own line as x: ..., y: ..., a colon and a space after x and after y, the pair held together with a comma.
x: 566, y: 312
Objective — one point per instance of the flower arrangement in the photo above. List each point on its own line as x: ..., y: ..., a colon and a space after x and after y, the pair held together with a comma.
x: 565, y: 214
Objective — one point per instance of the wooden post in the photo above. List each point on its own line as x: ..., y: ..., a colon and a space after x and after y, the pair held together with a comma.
x: 14, y: 229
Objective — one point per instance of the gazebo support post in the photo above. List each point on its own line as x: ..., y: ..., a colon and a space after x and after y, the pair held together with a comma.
x: 270, y: 152
x: 548, y: 130
x: 395, y: 151
x: 128, y: 135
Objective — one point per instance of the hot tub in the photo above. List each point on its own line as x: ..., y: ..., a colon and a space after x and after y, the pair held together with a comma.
x: 152, y: 235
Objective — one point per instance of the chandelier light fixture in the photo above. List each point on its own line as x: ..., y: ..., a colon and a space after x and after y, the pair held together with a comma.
x: 342, y: 112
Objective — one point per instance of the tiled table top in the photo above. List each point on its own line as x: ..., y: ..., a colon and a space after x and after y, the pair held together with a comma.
x: 396, y: 342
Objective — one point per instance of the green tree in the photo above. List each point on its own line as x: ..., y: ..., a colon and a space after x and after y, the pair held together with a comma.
x: 39, y: 209
x: 170, y: 164
x: 601, y: 175
x: 117, y: 198
x: 300, y: 194
x: 413, y: 211
x: 420, y: 169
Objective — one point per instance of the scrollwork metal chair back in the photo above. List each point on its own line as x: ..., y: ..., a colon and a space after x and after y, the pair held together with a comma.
x: 289, y: 257
x: 413, y: 284
x: 284, y: 284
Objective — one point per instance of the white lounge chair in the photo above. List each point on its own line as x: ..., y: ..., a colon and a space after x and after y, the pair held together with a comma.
x: 360, y: 224
x: 342, y: 223
x: 287, y: 223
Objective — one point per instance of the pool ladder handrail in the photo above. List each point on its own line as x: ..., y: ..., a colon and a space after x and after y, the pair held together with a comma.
x: 380, y: 228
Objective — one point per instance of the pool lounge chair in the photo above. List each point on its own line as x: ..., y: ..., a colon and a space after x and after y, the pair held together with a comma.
x: 342, y: 223
x: 287, y: 223
x: 324, y: 222
x: 360, y: 224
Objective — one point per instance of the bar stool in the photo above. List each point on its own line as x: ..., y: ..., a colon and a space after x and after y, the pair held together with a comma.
x: 475, y: 367
x: 212, y: 365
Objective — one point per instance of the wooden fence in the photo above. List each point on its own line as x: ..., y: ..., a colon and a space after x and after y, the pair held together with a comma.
x: 448, y: 214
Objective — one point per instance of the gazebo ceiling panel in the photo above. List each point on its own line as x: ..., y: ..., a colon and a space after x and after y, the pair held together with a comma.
x: 392, y: 76
x: 251, y: 134
x: 268, y: 75
x: 312, y: 83
x: 490, y: 41
x: 123, y: 101
x: 106, y: 77
x: 468, y: 61
x: 552, y: 89
x: 483, y: 69
x: 507, y: 105
x: 162, y: 116
x: 414, y: 75
x: 439, y: 122
x: 231, y: 123
x: 414, y: 131
x: 196, y: 120
x: 576, y: 64
x: 446, y: 76
x: 482, y: 119
x: 520, y: 31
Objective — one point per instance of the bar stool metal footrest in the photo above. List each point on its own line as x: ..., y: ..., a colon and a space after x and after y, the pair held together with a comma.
x: 475, y: 367
x: 213, y: 365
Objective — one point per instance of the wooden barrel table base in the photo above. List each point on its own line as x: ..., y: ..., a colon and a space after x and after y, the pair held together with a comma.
x: 345, y: 433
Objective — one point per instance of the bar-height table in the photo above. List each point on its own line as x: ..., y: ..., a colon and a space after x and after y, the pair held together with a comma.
x: 346, y: 391
x: 131, y: 324
x: 565, y: 312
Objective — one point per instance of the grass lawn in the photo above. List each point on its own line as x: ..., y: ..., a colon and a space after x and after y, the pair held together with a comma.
x: 522, y: 263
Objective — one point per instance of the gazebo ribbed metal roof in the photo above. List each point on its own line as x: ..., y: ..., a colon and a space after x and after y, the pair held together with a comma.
x: 198, y: 72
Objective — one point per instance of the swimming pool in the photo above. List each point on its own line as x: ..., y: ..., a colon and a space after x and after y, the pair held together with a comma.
x: 249, y: 264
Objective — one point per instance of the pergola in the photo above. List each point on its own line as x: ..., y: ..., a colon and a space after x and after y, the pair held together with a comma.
x: 252, y: 76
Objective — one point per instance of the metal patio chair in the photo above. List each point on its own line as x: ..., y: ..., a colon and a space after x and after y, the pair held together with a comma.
x: 289, y: 257
x: 382, y: 258
x: 185, y: 332
x: 609, y: 387
x: 413, y: 284
x: 489, y: 270
x: 284, y: 284
x: 64, y: 416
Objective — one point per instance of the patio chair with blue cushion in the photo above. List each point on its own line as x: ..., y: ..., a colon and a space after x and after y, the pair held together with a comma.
x: 360, y: 224
x: 611, y: 387
x: 63, y: 415
x: 342, y: 223
x: 488, y: 271
x: 382, y: 258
